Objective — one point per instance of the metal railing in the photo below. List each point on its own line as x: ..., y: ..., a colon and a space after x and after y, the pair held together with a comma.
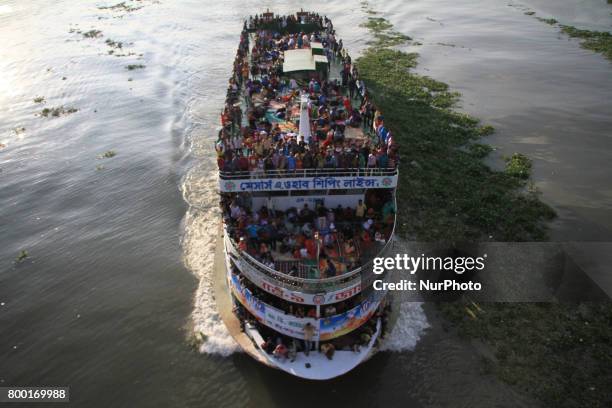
x: 364, y: 273
x: 304, y: 285
x: 324, y: 172
x: 301, y: 321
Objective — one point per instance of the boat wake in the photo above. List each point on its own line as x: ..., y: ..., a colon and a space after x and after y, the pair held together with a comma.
x: 408, y: 329
x: 201, y: 223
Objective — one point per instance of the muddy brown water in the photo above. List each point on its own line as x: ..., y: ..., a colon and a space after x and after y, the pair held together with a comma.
x: 120, y: 249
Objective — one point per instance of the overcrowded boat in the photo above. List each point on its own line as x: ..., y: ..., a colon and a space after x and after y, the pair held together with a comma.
x: 307, y: 179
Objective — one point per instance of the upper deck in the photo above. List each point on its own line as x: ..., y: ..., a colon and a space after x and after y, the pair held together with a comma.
x: 297, y: 117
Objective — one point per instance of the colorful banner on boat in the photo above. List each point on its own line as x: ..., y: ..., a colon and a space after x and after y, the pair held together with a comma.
x: 339, y: 325
x: 328, y: 327
x: 323, y: 298
x: 307, y: 183
x: 280, y: 321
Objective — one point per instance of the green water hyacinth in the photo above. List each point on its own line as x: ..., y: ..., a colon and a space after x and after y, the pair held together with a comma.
x: 450, y: 194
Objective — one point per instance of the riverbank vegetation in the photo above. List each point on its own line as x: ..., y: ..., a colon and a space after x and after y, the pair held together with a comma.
x: 598, y: 41
x: 450, y: 193
x: 559, y: 354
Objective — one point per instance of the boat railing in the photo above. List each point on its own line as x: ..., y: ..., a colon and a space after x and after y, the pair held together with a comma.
x: 363, y: 273
x: 253, y: 305
x: 293, y: 282
x: 324, y: 172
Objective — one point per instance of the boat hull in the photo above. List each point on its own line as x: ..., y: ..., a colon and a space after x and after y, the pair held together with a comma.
x: 315, y: 366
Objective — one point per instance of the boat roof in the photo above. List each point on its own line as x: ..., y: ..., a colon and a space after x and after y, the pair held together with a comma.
x: 316, y: 45
x: 299, y: 60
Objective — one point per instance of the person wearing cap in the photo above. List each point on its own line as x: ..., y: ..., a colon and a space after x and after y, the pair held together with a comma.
x: 242, y: 245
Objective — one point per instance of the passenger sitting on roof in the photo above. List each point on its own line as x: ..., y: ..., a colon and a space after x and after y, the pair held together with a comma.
x: 354, y: 119
x: 280, y: 113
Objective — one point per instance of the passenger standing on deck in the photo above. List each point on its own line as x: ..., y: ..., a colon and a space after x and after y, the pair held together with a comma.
x: 352, y: 86
x: 360, y: 210
x: 309, y: 333
x: 372, y: 161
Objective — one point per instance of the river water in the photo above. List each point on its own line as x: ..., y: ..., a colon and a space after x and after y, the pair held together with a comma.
x: 120, y: 249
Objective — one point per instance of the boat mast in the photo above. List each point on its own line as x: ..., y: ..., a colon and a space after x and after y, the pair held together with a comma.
x: 304, y: 132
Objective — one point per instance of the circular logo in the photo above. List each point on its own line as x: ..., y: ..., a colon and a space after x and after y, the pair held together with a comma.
x: 318, y: 299
x: 230, y: 186
x: 386, y: 181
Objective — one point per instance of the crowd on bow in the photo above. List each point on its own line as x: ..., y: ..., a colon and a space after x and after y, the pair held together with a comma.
x: 262, y: 134
x: 286, y: 348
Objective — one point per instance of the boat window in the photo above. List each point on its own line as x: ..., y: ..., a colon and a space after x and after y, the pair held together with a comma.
x: 308, y: 193
x: 347, y: 192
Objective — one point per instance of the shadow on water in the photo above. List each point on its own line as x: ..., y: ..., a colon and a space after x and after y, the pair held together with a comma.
x: 370, y: 384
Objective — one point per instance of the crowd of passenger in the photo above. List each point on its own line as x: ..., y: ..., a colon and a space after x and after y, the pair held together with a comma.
x: 330, y: 240
x: 265, y: 136
x: 260, y: 133
x: 285, y: 348
x: 293, y: 309
x: 285, y: 22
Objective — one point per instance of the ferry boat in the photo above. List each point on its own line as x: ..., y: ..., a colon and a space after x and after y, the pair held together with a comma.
x: 307, y: 179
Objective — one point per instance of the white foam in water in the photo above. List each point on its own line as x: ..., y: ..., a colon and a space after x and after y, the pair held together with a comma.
x: 408, y: 329
x: 199, y: 248
x: 207, y: 321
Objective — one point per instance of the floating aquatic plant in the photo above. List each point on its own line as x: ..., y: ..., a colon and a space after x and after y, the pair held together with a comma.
x: 108, y: 154
x: 557, y: 353
x: 534, y: 346
x: 132, y: 67
x: 39, y: 99
x: 598, y: 41
x: 451, y: 195
x: 57, y: 111
x: 22, y: 256
x: 550, y: 21
x: 518, y: 165
x: 93, y: 34
x: 383, y: 33
x: 123, y: 6
x: 480, y: 150
x: 113, y: 44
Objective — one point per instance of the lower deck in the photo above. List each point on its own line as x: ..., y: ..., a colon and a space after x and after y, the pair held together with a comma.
x: 314, y: 366
x: 225, y: 306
